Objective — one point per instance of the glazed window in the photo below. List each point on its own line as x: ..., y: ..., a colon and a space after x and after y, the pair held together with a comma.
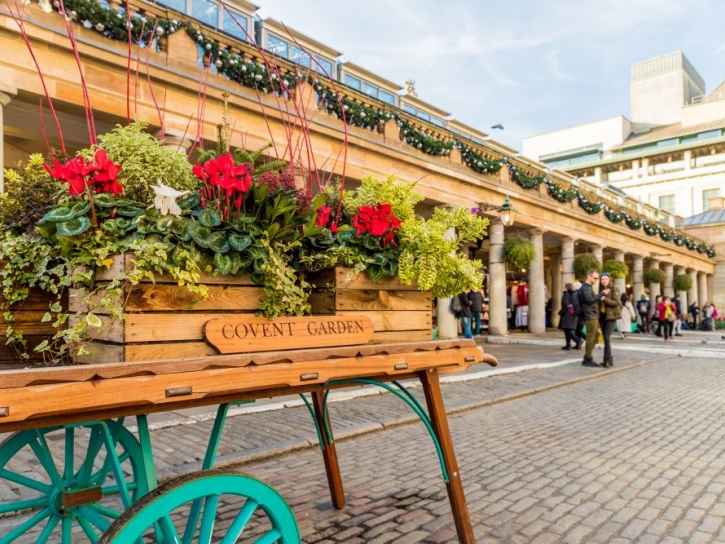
x: 277, y: 46
x: 206, y: 12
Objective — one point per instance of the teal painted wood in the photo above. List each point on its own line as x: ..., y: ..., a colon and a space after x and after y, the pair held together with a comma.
x: 407, y: 397
x: 157, y: 509
x: 52, y: 521
x: 317, y: 425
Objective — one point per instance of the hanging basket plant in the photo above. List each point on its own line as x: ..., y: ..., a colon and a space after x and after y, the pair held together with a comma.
x: 518, y: 253
x: 682, y: 282
x: 585, y: 262
x: 654, y: 275
x: 617, y: 269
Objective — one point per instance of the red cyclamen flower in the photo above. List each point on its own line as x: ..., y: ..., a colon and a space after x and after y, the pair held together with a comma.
x: 323, y: 216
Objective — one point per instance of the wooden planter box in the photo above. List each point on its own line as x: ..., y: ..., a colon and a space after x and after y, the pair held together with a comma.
x: 165, y: 321
x: 28, y: 321
x: 399, y: 312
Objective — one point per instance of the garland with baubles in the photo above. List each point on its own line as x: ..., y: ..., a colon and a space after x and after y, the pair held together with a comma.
x: 146, y: 29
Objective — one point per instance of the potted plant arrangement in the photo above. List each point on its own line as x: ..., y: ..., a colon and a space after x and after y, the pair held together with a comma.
x: 133, y: 228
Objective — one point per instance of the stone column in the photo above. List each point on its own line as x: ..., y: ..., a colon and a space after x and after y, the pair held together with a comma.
x: 637, y: 280
x: 682, y: 294
x: 497, y: 325
x: 655, y: 288
x: 692, y: 293
x: 669, y: 291
x: 447, y: 322
x: 711, y: 289
x: 4, y: 101
x: 556, y: 289
x: 621, y: 283
x: 177, y: 143
x: 598, y: 252
x: 537, y: 293
x: 567, y: 260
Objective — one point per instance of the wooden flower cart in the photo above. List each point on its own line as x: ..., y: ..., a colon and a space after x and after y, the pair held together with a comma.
x: 88, y: 403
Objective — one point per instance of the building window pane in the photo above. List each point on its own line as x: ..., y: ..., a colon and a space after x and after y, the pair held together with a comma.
x: 324, y: 67
x: 352, y: 82
x: 388, y: 98
x: 178, y: 5
x: 232, y: 24
x: 277, y: 46
x: 301, y: 57
x: 667, y: 203
x: 424, y: 116
x: 409, y: 109
x: 370, y: 90
x: 206, y: 12
x: 707, y: 195
x: 437, y: 122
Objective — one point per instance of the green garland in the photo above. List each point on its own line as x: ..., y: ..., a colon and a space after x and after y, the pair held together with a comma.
x: 476, y: 161
x: 522, y: 179
x: 111, y: 23
x: 557, y: 192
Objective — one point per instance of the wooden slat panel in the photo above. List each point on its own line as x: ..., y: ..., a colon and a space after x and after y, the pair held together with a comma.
x: 345, y: 278
x: 174, y: 297
x: 401, y: 336
x: 29, y: 323
x: 38, y: 300
x: 349, y: 299
x: 34, y: 403
x: 111, y: 331
x: 396, y: 321
x: 90, y: 372
x: 119, y: 262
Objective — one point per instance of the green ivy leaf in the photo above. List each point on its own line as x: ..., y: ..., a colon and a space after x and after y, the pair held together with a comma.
x: 93, y: 320
x: 164, y: 223
x: 46, y: 317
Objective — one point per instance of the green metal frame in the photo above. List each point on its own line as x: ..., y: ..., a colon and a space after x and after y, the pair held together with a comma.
x: 402, y: 393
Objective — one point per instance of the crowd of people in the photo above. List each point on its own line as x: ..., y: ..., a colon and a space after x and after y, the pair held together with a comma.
x: 589, y: 315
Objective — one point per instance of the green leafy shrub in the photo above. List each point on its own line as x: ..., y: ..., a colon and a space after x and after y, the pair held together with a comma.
x: 518, y: 253
x: 682, y: 282
x: 585, y: 262
x: 654, y: 275
x: 617, y: 269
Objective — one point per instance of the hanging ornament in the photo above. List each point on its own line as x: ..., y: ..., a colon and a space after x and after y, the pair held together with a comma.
x: 218, y: 63
x: 208, y: 46
x: 100, y: 27
x: 160, y: 31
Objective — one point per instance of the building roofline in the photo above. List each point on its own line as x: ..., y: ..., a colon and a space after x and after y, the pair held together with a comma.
x: 579, y: 125
x: 370, y: 75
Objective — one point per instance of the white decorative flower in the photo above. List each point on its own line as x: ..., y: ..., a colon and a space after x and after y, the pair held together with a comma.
x: 165, y: 199
x: 45, y: 5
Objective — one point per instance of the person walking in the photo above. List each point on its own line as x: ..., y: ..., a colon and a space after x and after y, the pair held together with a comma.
x: 610, y: 310
x: 694, y: 310
x: 569, y: 317
x: 678, y: 315
x: 590, y: 312
x: 466, y: 314
x: 667, y: 317
x: 643, y: 308
x: 707, y: 316
x: 476, y: 298
x: 624, y: 325
x: 656, y: 314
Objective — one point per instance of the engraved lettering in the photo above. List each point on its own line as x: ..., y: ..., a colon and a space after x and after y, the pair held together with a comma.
x: 228, y: 331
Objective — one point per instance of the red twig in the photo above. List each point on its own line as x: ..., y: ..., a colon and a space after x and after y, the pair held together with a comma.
x: 138, y: 62
x: 151, y: 87
x: 18, y: 18
x: 128, y: 66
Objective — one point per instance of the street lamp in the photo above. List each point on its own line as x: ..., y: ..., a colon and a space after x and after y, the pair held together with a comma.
x: 506, y: 212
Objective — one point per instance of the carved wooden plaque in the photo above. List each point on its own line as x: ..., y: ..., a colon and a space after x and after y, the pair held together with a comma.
x: 244, y: 334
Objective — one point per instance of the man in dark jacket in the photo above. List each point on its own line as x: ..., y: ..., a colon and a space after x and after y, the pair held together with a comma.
x: 476, y: 299
x: 590, y: 309
x: 568, y: 317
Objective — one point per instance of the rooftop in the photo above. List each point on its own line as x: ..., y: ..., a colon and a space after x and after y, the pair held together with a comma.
x: 710, y: 217
x: 666, y: 132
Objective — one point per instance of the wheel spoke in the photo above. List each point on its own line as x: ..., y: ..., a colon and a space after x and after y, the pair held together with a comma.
x: 269, y: 537
x: 240, y: 522
x: 68, y: 472
x: 94, y: 517
x: 168, y: 530
x: 88, y: 529
x: 67, y: 525
x: 28, y: 524
x: 207, y: 521
x: 94, y: 446
x: 23, y: 505
x: 25, y: 481
x: 113, y: 489
x: 105, y: 510
x: 42, y: 452
x: 52, y: 522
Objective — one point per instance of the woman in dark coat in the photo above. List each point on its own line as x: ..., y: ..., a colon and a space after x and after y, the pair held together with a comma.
x: 568, y: 317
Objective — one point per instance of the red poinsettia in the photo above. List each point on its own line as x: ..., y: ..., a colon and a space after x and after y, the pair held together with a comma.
x: 378, y: 221
x: 323, y: 216
x: 101, y: 175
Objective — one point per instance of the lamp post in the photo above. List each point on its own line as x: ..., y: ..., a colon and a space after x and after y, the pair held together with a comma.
x: 496, y: 266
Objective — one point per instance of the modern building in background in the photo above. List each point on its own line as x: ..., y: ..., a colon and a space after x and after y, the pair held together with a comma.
x: 669, y: 153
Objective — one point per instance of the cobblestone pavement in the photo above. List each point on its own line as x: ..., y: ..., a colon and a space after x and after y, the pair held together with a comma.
x: 632, y: 455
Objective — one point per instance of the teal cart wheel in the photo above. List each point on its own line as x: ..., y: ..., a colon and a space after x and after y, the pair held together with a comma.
x: 257, y: 510
x: 83, y: 477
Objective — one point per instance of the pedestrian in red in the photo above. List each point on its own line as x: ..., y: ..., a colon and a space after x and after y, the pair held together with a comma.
x: 667, y: 317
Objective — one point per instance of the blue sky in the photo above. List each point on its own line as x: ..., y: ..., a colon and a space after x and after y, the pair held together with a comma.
x: 533, y: 66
